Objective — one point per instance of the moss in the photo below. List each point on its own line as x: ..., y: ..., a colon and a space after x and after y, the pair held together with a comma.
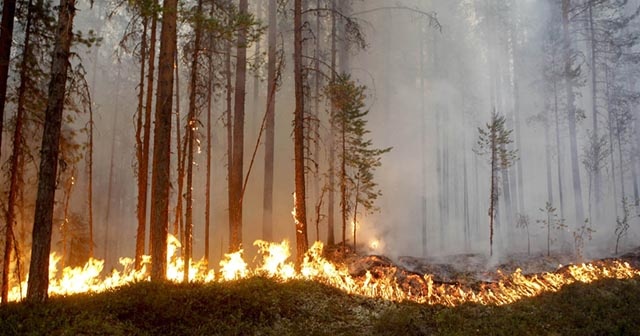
x: 260, y: 306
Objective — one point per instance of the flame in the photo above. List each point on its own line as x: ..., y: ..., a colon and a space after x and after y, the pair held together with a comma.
x: 274, y: 263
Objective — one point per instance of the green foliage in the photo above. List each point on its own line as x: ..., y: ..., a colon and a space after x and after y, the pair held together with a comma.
x: 361, y: 159
x: 551, y: 221
x: 493, y: 140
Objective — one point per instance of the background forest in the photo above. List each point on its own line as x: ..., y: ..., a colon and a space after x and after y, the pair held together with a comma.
x: 372, y: 110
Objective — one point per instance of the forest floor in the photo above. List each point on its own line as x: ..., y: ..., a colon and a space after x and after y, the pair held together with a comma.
x: 260, y: 306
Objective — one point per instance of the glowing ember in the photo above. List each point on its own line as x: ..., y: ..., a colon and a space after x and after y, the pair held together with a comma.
x: 275, y: 264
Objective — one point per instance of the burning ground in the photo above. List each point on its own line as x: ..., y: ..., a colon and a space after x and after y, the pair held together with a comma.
x: 262, y: 306
x: 329, y: 294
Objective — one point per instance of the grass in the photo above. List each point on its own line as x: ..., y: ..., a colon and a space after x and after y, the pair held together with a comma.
x: 260, y: 306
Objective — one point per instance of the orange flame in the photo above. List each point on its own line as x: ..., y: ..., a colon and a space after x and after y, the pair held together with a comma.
x: 275, y: 264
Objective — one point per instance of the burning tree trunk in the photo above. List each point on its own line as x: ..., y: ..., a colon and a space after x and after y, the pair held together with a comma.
x: 298, y: 137
x: 43, y: 220
x: 160, y: 179
x: 269, y: 144
x: 235, y: 183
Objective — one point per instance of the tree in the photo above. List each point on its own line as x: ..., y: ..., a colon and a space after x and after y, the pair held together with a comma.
x: 191, y: 137
x: 571, y: 72
x: 6, y: 39
x: 493, y: 141
x: 269, y: 143
x: 160, y: 178
x: 18, y: 143
x: 300, y: 211
x: 38, y: 283
x: 358, y: 160
x: 143, y: 123
x: 237, y: 155
x: 552, y: 221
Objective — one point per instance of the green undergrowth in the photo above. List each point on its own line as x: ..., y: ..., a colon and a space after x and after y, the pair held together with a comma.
x: 260, y: 306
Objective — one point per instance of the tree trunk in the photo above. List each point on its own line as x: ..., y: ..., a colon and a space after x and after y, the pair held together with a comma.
x: 207, y: 195
x: 16, y: 157
x: 237, y: 172
x: 6, y: 39
x: 229, y: 125
x: 107, y: 243
x: 181, y: 156
x: 558, y: 148
x: 141, y: 214
x: 597, y: 178
x: 332, y: 151
x: 573, y: 142
x: 38, y: 284
x: 190, y: 133
x: 298, y: 137
x: 160, y: 178
x: 143, y: 173
x: 269, y: 143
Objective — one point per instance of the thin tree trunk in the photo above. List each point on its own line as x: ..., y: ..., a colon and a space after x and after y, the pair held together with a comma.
x: 547, y: 152
x: 256, y: 58
x: 423, y: 144
x: 355, y: 214
x: 493, y: 196
x: 16, y: 157
x: 143, y: 174
x: 611, y: 151
x: 568, y: 68
x: 190, y: 133
x: 229, y: 125
x: 160, y: 178
x: 6, y: 39
x: 107, y: 220
x: 43, y: 219
x: 269, y: 144
x: 237, y: 170
x: 597, y: 178
x: 141, y: 208
x: 558, y: 148
x: 299, y: 135
x: 315, y: 130
x: 332, y: 151
x: 207, y: 196
x: 181, y: 156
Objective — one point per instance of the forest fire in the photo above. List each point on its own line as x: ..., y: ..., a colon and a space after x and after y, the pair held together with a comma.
x: 386, y: 285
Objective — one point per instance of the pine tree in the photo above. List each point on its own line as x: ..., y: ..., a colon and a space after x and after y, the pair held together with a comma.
x: 493, y: 140
x: 358, y: 160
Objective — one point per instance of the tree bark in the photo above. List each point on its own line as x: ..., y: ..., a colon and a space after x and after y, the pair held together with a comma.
x: 190, y: 132
x: 143, y: 168
x: 160, y: 178
x: 571, y: 112
x: 332, y: 150
x: 38, y: 283
x: 16, y: 157
x: 237, y: 172
x: 269, y: 144
x: 6, y: 38
x: 298, y: 138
